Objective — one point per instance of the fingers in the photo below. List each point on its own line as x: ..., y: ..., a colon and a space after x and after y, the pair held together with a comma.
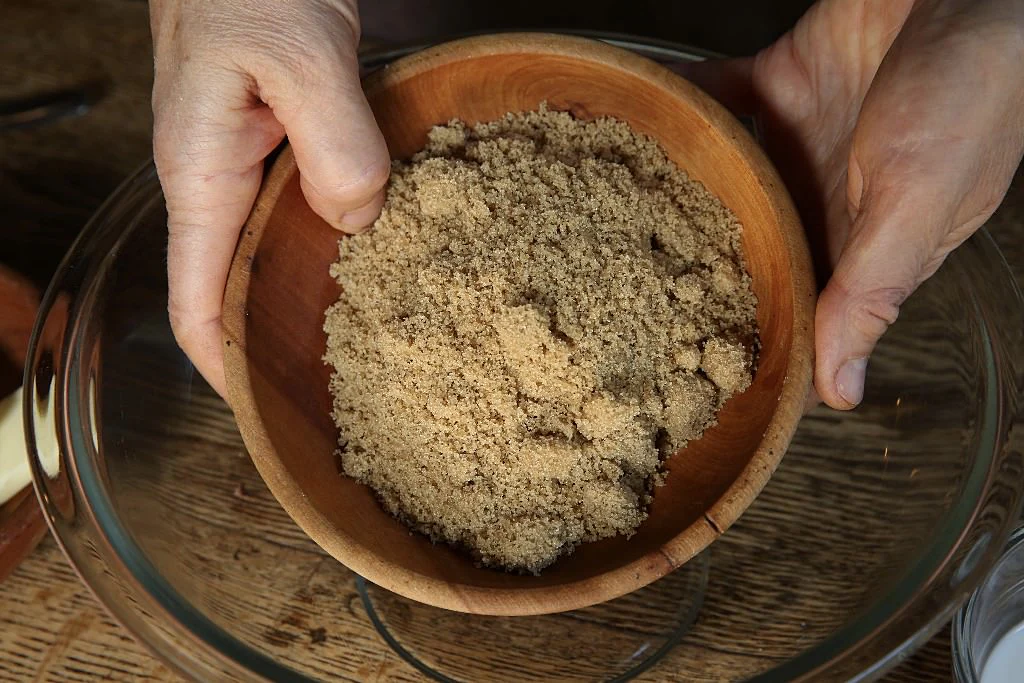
x: 929, y: 163
x: 340, y: 151
x: 210, y: 138
x: 202, y: 238
x: 880, y: 267
x: 231, y: 82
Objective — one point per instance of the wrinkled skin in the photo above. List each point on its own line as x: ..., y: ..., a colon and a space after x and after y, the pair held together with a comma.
x: 232, y: 79
x: 897, y: 125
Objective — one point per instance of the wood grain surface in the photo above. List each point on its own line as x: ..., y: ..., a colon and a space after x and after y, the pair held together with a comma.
x: 53, y: 178
x: 277, y: 292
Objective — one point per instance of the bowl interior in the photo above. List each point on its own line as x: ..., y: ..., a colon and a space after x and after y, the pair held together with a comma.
x: 280, y: 288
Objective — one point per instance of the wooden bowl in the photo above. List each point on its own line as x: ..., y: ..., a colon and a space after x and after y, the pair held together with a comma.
x: 279, y: 288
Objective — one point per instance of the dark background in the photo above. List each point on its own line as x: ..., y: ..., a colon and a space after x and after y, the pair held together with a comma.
x: 732, y: 27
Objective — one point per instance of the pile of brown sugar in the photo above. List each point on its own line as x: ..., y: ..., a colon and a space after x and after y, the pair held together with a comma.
x: 545, y: 310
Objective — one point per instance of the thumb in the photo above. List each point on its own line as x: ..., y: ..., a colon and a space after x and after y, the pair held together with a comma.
x: 928, y: 164
x: 883, y: 262
x: 340, y: 151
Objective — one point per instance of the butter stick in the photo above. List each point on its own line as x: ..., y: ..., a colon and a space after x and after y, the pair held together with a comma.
x: 15, y: 473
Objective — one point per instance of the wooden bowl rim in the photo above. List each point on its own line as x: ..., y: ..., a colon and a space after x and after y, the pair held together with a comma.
x: 582, y: 593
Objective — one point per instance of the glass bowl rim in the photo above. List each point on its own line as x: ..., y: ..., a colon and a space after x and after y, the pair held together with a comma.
x: 817, y: 660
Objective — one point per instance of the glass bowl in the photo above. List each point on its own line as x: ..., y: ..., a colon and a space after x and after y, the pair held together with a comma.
x: 875, y: 529
x: 991, y: 625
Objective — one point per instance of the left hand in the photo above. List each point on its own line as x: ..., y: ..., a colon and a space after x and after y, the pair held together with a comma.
x: 231, y: 80
x: 897, y: 127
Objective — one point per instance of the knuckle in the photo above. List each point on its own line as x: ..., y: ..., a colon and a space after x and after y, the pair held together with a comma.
x: 174, y: 114
x: 189, y: 326
x: 990, y: 198
x: 172, y: 147
x: 185, y: 229
x: 163, y: 141
x: 354, y: 186
x: 294, y: 63
x: 873, y: 313
x: 173, y: 134
x: 182, y: 325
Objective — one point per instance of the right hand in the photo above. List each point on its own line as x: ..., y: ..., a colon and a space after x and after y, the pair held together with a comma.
x: 897, y: 127
x: 232, y: 80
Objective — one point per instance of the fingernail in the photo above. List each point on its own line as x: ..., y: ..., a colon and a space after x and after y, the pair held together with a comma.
x: 850, y: 380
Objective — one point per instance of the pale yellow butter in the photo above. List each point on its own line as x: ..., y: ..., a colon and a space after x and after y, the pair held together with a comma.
x: 15, y: 473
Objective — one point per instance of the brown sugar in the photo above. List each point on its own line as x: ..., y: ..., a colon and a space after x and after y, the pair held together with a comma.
x: 545, y: 310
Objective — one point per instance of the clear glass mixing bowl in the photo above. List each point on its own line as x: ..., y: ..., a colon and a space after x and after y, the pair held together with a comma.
x: 993, y: 612
x: 875, y: 529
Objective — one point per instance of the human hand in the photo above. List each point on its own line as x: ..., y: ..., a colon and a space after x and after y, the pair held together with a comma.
x: 231, y: 80
x: 897, y: 126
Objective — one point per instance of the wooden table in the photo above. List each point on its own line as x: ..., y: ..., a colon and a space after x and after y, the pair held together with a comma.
x: 51, y: 180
